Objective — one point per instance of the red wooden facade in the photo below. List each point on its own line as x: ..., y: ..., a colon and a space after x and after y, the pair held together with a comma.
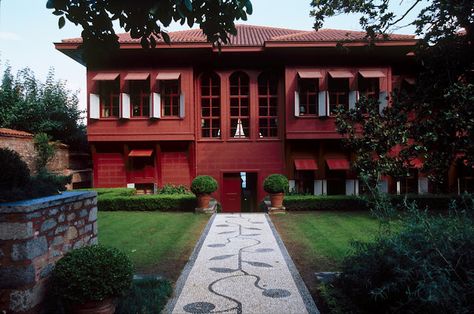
x: 261, y: 105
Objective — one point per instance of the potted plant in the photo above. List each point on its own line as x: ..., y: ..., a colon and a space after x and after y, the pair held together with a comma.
x: 202, y: 187
x: 276, y: 185
x: 88, y: 280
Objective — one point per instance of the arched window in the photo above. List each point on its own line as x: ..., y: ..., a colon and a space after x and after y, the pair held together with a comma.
x: 210, y: 105
x: 267, y: 105
x: 239, y: 105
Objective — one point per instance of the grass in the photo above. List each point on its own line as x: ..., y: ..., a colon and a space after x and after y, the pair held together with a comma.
x: 156, y: 242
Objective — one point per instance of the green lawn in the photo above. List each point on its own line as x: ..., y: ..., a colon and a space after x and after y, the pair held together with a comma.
x: 157, y: 242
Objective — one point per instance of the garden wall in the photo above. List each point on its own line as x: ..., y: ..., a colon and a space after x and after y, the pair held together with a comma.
x: 34, y: 235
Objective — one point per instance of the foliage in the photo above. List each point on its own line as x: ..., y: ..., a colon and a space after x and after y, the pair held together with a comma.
x: 146, y: 20
x: 146, y: 296
x: 92, y: 273
x: 113, y: 191
x: 323, y: 202
x: 36, y: 107
x: 174, y: 189
x: 44, y: 150
x: 157, y: 202
x: 276, y: 183
x: 203, y: 185
x: 14, y: 172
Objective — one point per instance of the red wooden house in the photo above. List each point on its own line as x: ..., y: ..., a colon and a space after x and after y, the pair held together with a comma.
x: 263, y: 104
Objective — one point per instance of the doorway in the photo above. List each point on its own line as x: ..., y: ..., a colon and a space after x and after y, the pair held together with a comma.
x: 239, y: 192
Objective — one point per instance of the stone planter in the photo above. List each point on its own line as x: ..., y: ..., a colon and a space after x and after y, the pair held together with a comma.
x: 106, y: 306
x: 203, y: 200
x: 276, y: 199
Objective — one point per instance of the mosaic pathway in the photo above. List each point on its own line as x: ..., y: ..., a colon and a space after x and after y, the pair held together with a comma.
x: 240, y: 265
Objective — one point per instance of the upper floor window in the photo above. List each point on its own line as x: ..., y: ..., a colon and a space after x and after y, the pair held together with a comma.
x: 267, y: 105
x: 369, y: 87
x: 109, y: 93
x: 239, y: 105
x: 210, y: 105
x: 308, y: 96
x: 338, y: 89
x: 170, y: 98
x: 140, y: 98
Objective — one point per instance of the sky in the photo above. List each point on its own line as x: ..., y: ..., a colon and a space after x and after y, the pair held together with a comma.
x: 28, y: 31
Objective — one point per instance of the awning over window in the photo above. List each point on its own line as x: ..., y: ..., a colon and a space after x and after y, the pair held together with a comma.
x: 105, y: 76
x: 140, y: 153
x: 338, y: 164
x: 168, y: 76
x: 136, y: 76
x: 341, y: 74
x: 371, y: 73
x: 310, y: 74
x: 410, y: 80
x: 416, y: 163
x: 306, y: 164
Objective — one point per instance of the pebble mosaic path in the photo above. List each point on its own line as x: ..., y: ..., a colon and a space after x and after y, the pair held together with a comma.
x: 240, y: 265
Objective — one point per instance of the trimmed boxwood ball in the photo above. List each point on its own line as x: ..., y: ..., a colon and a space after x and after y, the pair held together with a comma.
x: 203, y: 185
x: 92, y: 273
x: 275, y: 183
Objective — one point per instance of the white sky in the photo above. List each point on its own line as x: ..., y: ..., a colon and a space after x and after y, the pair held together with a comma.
x: 28, y: 30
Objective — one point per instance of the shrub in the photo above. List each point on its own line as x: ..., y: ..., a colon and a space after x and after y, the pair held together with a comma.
x: 14, y: 172
x: 158, y: 202
x: 323, y: 202
x: 146, y: 296
x: 44, y: 150
x: 91, y: 273
x: 112, y: 191
x: 275, y: 183
x: 174, y: 189
x: 203, y: 185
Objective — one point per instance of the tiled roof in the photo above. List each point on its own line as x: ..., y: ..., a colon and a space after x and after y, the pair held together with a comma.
x: 255, y: 36
x: 14, y: 133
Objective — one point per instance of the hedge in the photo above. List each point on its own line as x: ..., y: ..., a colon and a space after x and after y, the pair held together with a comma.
x: 157, y: 202
x: 113, y: 191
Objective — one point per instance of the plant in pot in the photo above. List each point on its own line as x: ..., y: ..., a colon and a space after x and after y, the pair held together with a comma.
x: 89, y: 279
x: 202, y: 187
x: 276, y: 185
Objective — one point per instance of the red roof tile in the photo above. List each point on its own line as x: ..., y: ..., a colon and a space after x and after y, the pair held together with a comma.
x: 14, y: 133
x: 257, y: 36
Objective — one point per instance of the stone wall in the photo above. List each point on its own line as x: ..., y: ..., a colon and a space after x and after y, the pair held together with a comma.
x: 34, y: 235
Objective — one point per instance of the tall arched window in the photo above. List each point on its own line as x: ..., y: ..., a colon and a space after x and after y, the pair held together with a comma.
x: 267, y: 105
x: 210, y: 105
x: 239, y: 105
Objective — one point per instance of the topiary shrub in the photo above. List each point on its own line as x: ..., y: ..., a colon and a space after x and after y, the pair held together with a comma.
x: 14, y: 172
x: 171, y: 189
x: 92, y: 273
x: 275, y: 183
x: 203, y: 185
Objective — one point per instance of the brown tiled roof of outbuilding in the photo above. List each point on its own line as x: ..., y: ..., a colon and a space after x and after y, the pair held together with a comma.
x: 14, y: 133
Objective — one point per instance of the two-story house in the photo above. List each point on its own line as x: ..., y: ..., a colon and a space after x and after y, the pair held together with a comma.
x: 262, y: 104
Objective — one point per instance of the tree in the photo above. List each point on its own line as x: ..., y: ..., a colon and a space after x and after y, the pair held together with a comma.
x: 436, y: 122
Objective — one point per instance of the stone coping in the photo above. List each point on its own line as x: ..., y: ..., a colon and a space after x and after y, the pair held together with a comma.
x: 27, y: 206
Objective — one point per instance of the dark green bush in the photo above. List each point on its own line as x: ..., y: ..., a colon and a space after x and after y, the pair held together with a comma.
x: 174, y: 189
x: 146, y: 296
x: 276, y: 183
x: 158, y: 202
x: 203, y: 185
x: 44, y: 149
x: 92, y: 273
x: 323, y: 202
x: 14, y: 172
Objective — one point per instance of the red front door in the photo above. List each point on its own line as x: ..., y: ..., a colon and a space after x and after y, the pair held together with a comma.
x: 231, y: 193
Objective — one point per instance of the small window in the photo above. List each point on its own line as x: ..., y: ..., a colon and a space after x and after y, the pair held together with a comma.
x: 338, y: 94
x: 109, y: 92
x: 267, y: 105
x: 369, y: 87
x: 140, y: 98
x: 170, y: 93
x: 308, y: 93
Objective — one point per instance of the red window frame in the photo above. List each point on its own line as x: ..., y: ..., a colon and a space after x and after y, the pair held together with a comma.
x: 170, y: 93
x: 308, y: 92
x: 139, y: 98
x: 369, y: 87
x: 268, y: 105
x: 239, y: 103
x: 109, y: 92
x: 210, y: 100
x: 338, y: 89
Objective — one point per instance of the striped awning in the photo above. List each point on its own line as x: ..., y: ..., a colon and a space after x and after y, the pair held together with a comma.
x: 306, y: 164
x: 140, y: 153
x: 136, y: 76
x: 105, y: 76
x: 338, y: 164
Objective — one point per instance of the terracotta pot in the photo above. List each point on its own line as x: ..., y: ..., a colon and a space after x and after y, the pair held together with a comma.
x: 203, y: 200
x: 277, y: 199
x: 106, y: 306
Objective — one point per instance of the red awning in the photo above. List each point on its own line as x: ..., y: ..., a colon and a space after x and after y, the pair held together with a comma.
x: 410, y: 80
x: 338, y: 164
x: 310, y: 74
x: 371, y: 73
x: 168, y: 76
x: 136, y: 76
x: 140, y: 153
x: 105, y: 76
x: 306, y: 164
x: 341, y: 74
x: 416, y: 163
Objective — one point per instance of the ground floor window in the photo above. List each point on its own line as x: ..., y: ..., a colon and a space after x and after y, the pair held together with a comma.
x: 304, y: 181
x: 409, y: 184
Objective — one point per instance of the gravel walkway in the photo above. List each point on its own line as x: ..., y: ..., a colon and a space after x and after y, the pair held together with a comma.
x: 240, y: 265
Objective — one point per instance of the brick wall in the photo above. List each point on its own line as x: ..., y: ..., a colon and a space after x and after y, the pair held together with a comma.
x: 34, y: 235
x: 23, y: 146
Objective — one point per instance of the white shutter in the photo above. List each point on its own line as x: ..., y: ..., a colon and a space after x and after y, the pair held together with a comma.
x: 323, y: 103
x: 353, y: 98
x: 291, y: 185
x: 383, y: 185
x: 94, y: 106
x: 181, y: 105
x: 383, y: 101
x: 156, y: 106
x: 125, y: 106
x: 422, y: 185
x: 297, y: 104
